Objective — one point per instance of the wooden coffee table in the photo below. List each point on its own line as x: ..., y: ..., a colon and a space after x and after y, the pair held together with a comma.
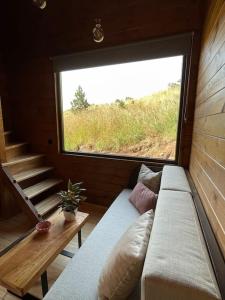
x: 21, y: 266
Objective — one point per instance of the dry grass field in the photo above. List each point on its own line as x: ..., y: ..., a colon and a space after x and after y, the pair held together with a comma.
x: 135, y: 127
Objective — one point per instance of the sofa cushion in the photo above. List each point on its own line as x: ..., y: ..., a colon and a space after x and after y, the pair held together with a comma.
x: 177, y: 265
x: 150, y: 178
x: 143, y: 198
x: 80, y: 278
x: 124, y: 265
x: 174, y: 178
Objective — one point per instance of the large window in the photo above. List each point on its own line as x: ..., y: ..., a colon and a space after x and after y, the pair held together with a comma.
x: 126, y: 109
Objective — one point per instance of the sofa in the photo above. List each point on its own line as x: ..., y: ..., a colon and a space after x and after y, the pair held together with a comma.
x: 177, y: 264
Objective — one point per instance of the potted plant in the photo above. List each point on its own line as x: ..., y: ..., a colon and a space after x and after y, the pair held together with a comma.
x: 70, y: 200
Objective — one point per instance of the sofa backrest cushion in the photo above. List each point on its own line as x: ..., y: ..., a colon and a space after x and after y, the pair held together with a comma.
x: 150, y: 178
x: 124, y: 265
x: 177, y: 265
x: 174, y: 178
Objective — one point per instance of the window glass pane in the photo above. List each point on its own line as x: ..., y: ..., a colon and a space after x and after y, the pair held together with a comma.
x: 128, y: 109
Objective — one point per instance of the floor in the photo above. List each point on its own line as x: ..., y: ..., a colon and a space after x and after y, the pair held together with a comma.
x: 54, y: 270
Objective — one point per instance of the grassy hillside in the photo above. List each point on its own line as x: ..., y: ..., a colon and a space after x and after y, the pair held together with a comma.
x: 144, y: 127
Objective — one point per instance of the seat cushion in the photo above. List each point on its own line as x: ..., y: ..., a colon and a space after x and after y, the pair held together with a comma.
x: 177, y: 265
x: 174, y: 178
x: 80, y: 278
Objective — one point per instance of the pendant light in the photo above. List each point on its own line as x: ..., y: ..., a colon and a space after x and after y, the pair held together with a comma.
x: 40, y: 3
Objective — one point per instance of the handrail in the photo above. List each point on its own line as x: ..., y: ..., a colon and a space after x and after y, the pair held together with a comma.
x: 19, y: 195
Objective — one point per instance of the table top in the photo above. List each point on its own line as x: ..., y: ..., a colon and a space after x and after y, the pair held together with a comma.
x: 25, y: 262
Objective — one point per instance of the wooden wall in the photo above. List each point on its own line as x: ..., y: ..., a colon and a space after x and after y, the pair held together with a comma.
x: 66, y: 27
x: 207, y: 165
x: 8, y: 44
x: 2, y: 85
x: 4, y: 94
x: 7, y: 202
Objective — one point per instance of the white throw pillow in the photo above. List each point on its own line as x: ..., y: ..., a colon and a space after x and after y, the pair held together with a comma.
x: 124, y: 266
x: 149, y: 178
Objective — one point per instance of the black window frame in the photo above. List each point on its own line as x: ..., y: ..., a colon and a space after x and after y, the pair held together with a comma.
x: 67, y: 63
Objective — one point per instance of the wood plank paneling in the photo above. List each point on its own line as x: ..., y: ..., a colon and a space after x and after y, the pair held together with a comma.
x: 211, y: 69
x: 212, y: 169
x: 213, y: 86
x: 212, y: 146
x: 207, y: 166
x: 205, y: 190
x: 212, y: 15
x: 214, y: 198
x: 213, y: 34
x: 212, y: 125
x: 213, y: 105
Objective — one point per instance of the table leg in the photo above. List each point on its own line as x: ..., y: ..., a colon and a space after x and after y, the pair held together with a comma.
x: 79, y: 239
x: 67, y: 253
x: 44, y: 283
x: 29, y: 297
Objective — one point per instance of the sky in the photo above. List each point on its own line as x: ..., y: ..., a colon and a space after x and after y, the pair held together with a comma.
x: 105, y: 84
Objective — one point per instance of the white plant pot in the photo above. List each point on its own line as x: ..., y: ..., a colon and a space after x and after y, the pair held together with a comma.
x: 70, y: 216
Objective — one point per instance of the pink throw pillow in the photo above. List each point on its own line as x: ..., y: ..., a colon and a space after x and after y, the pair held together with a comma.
x: 143, y: 198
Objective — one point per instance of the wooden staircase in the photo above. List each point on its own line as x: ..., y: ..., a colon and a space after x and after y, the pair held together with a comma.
x: 35, y: 178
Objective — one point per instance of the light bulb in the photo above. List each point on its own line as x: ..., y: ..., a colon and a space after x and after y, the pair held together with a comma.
x: 40, y: 3
x: 98, y: 33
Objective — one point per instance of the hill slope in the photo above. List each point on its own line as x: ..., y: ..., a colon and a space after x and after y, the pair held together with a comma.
x: 140, y: 127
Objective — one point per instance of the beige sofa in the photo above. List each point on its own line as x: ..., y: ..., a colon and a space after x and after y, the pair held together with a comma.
x: 177, y: 265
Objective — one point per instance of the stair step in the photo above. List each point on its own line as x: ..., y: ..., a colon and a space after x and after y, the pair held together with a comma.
x: 47, y: 205
x: 15, y: 150
x: 41, y: 187
x: 21, y: 159
x: 14, y: 146
x: 8, y: 136
x: 31, y: 173
x: 24, y: 163
x: 7, y: 132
